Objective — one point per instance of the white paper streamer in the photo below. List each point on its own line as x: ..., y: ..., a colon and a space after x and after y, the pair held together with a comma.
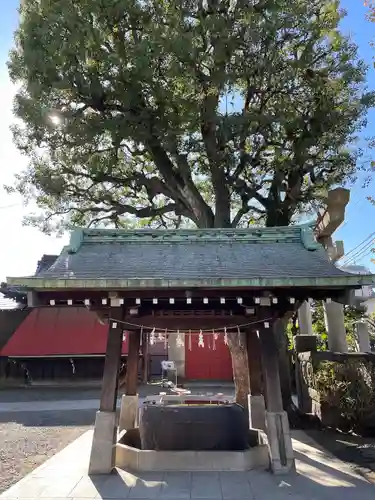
x: 179, y: 340
x: 152, y: 337
x: 200, y: 339
x: 214, y: 339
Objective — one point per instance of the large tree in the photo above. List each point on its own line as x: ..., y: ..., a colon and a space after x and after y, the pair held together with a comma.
x: 371, y: 17
x: 214, y: 113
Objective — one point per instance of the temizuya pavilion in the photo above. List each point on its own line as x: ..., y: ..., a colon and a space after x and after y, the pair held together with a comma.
x: 181, y: 280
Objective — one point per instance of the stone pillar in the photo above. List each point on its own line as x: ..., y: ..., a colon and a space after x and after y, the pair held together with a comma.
x: 363, y: 337
x: 128, y: 412
x: 334, y: 320
x: 305, y: 319
x: 102, y: 458
x: 256, y: 404
x: 277, y: 424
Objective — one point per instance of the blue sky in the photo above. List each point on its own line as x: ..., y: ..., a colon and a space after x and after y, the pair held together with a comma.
x: 21, y: 247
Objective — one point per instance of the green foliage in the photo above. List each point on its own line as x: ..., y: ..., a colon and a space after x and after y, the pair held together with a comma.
x: 184, y: 112
x: 351, y: 316
x: 348, y: 391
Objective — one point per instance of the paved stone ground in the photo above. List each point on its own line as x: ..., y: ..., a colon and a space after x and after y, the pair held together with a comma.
x: 355, y: 450
x: 37, y: 422
x: 42, y: 426
x: 27, y: 439
x: 319, y: 476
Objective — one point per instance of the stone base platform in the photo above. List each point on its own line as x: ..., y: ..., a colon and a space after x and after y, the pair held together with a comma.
x: 130, y: 457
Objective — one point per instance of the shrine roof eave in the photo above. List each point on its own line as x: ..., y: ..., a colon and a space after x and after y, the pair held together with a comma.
x: 338, y: 282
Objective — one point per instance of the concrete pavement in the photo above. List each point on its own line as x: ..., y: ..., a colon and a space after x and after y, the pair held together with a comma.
x: 319, y: 476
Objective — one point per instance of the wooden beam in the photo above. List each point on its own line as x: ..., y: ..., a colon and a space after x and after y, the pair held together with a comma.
x: 131, y: 379
x: 112, y: 361
x: 95, y: 297
x: 187, y: 323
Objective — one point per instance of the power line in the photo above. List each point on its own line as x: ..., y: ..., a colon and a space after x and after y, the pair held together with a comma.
x: 355, y: 257
x: 347, y: 257
x: 360, y: 253
x: 357, y: 248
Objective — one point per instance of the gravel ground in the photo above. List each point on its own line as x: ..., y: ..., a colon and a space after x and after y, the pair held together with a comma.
x: 28, y: 439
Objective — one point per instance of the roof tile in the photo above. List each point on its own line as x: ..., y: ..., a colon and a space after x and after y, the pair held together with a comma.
x: 191, y: 259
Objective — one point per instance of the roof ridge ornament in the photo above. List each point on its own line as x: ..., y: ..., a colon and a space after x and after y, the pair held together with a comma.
x: 308, y: 237
x: 76, y: 240
x: 252, y: 235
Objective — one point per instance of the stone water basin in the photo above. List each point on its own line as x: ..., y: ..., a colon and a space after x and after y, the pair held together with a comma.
x: 192, y: 437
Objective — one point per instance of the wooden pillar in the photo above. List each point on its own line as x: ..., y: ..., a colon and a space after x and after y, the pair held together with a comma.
x: 270, y: 364
x: 131, y: 380
x: 256, y: 405
x: 277, y: 424
x: 145, y: 357
x: 112, y: 363
x: 129, y: 401
x: 102, y: 458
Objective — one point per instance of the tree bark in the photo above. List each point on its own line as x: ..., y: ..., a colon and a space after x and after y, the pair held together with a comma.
x: 238, y: 350
x: 237, y: 345
x: 254, y: 363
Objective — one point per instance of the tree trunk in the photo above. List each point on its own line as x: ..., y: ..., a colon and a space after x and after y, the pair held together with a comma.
x: 277, y: 217
x: 236, y: 343
x: 238, y: 350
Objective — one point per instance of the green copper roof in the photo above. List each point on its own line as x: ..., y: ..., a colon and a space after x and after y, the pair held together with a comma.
x: 303, y: 234
x: 259, y: 257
